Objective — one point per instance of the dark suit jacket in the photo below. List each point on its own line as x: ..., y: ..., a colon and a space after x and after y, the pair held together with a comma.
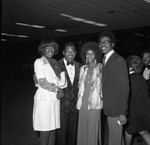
x: 68, y: 103
x: 115, y: 86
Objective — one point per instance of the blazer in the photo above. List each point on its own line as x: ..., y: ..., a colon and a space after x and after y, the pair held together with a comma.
x: 69, y: 101
x: 115, y: 86
x: 43, y: 69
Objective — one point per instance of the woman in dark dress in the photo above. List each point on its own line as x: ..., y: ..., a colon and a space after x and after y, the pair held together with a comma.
x: 90, y: 101
x: 139, y: 103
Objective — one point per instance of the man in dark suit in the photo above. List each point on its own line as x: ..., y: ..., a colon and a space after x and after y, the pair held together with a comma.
x: 115, y: 87
x: 67, y: 134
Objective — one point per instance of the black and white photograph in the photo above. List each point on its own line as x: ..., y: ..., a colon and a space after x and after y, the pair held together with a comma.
x: 75, y: 72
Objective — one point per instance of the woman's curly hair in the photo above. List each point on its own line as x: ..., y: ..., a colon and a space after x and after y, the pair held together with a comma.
x: 91, y: 46
x: 45, y: 43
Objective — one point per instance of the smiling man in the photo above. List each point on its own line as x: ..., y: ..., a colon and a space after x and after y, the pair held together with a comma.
x: 115, y: 87
x: 67, y: 134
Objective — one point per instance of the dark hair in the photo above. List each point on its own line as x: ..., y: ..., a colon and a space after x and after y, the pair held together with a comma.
x: 108, y: 34
x: 145, y: 51
x: 135, y: 62
x: 91, y: 46
x: 70, y: 44
x: 44, y: 43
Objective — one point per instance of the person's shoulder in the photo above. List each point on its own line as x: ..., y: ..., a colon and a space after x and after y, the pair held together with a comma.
x: 99, y: 66
x: 119, y: 58
x: 60, y: 61
x: 138, y: 79
x: 78, y: 63
x: 83, y: 67
x: 118, y: 55
x: 38, y: 60
x: 41, y: 60
x: 137, y: 76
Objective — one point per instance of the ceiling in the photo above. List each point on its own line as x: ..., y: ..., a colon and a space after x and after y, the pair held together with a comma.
x: 116, y: 14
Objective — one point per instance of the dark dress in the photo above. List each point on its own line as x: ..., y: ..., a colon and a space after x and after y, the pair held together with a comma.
x: 88, y: 123
x: 139, y: 105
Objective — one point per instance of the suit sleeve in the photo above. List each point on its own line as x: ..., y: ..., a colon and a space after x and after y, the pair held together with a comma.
x: 123, y: 86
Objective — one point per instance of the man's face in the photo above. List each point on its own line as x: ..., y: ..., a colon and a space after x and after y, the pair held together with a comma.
x: 69, y: 53
x: 146, y: 58
x: 105, y: 44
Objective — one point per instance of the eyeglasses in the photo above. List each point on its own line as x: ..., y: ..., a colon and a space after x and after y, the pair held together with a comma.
x: 105, y: 42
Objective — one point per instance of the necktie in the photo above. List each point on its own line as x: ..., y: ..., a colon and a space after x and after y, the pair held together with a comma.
x: 103, y: 61
x: 70, y: 63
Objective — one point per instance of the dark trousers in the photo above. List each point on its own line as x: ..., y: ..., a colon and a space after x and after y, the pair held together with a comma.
x: 67, y: 134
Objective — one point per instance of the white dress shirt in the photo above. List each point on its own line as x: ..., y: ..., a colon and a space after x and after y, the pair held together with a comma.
x: 71, y: 70
x: 146, y: 73
x: 108, y: 55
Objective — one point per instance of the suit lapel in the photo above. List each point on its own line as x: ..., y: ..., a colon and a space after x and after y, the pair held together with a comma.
x: 65, y: 69
x: 76, y: 73
x: 110, y: 60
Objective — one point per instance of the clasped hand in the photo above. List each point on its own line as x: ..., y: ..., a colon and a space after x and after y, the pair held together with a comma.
x: 60, y: 94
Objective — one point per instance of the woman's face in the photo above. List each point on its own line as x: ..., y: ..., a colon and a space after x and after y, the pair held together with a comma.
x: 49, y: 51
x: 90, y: 56
x: 137, y: 65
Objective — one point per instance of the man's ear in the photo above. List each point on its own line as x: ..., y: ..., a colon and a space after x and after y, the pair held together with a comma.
x: 63, y: 53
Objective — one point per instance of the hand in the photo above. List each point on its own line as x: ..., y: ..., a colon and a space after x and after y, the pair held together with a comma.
x: 122, y: 120
x: 60, y: 94
x: 53, y: 87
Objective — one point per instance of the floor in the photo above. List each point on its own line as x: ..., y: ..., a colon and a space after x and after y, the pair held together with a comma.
x: 16, y: 114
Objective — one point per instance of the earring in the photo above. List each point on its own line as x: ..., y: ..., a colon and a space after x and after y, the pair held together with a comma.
x: 86, y: 61
x: 95, y: 61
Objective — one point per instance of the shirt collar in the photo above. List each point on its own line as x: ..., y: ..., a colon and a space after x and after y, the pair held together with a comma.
x: 109, y: 54
x: 65, y: 61
x: 131, y: 72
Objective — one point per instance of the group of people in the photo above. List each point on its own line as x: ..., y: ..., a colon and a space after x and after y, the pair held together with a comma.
x: 71, y: 95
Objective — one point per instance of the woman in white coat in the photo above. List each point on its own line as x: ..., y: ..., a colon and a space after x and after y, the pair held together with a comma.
x: 50, y: 80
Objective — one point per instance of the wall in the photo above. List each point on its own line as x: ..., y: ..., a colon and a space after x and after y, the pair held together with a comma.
x: 17, y: 59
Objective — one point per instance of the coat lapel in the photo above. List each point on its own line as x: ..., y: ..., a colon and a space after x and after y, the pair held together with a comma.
x: 63, y: 68
x: 77, y: 69
x: 110, y: 60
